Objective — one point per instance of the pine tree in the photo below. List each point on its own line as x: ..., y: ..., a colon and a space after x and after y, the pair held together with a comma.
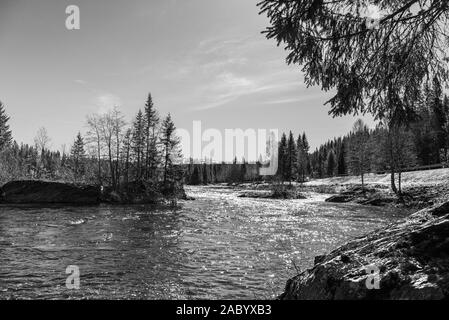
x: 77, y: 157
x: 291, y: 158
x: 306, y: 147
x: 5, y: 132
x: 330, y: 163
x: 138, y: 143
x: 282, y: 157
x: 373, y: 68
x: 170, y: 146
x: 152, y: 156
x: 126, y: 154
x: 358, y: 150
x: 341, y: 162
x: 438, y: 120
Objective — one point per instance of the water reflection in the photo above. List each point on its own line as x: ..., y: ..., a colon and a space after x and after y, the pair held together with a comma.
x: 219, y: 246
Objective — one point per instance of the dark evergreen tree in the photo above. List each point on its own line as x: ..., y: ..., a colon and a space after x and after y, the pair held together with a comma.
x: 77, y: 157
x: 358, y: 150
x: 341, y: 162
x: 5, y: 132
x: 330, y: 163
x: 126, y: 154
x: 373, y: 67
x: 138, y: 143
x: 152, y: 156
x: 291, y: 158
x: 170, y: 146
x: 282, y: 157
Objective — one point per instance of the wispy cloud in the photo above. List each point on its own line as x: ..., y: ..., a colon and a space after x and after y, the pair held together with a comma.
x: 106, y: 102
x: 294, y: 99
x: 230, y: 69
x: 79, y: 81
x: 102, y: 101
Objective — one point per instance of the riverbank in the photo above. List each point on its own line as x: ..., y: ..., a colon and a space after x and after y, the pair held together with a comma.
x: 409, y: 260
x: 420, y: 189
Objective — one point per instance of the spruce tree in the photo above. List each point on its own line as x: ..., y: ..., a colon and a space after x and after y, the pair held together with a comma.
x: 77, y: 157
x: 5, y: 132
x: 341, y: 162
x: 170, y: 145
x: 152, y: 156
x: 373, y: 67
x: 282, y: 157
x: 126, y: 153
x: 138, y: 143
x: 291, y: 158
x: 358, y: 150
x: 330, y: 163
x: 306, y: 147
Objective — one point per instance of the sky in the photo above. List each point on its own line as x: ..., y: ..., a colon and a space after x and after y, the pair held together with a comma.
x: 202, y: 60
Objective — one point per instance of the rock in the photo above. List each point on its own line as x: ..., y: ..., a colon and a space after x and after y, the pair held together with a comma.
x: 341, y: 198
x: 410, y: 258
x: 287, y: 195
x: 319, y: 259
x: 440, y: 210
x: 134, y: 192
x: 29, y: 192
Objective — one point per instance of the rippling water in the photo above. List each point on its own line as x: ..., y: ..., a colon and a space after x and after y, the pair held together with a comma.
x: 218, y: 246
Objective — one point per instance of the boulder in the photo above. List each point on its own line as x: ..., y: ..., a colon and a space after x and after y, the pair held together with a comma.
x: 407, y: 260
x: 29, y: 192
x: 340, y: 198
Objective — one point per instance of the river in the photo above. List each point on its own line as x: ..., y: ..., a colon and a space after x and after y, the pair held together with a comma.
x: 219, y: 246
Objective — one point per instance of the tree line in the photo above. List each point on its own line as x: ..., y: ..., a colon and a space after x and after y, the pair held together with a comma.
x: 111, y: 153
x: 294, y: 162
x: 391, y: 69
x: 385, y: 148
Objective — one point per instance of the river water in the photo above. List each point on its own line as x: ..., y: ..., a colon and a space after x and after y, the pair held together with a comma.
x: 219, y: 246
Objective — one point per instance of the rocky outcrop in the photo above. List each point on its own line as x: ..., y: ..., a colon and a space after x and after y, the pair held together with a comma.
x: 409, y: 259
x: 357, y: 194
x: 43, y: 192
x: 17, y: 192
x: 271, y: 195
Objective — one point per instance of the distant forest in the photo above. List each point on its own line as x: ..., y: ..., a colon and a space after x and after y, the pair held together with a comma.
x: 422, y: 142
x: 111, y: 153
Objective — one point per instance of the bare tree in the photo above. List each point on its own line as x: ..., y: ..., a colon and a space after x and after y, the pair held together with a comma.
x: 42, y: 140
x: 94, y: 124
x: 118, y: 124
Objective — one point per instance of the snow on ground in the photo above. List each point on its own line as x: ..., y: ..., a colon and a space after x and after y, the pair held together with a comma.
x: 425, y: 177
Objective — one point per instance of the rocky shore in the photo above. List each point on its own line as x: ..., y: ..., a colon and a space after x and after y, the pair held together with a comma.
x: 415, y: 197
x: 410, y: 259
x: 45, y: 192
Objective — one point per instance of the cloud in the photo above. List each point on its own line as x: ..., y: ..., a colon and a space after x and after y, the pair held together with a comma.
x: 106, y: 102
x: 231, y: 71
x: 302, y: 98
x: 228, y: 87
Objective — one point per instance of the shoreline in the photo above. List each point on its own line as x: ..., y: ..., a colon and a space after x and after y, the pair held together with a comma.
x: 408, y: 259
x: 415, y: 197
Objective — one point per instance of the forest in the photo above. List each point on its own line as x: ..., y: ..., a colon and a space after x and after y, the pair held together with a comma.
x: 422, y: 142
x: 113, y: 152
